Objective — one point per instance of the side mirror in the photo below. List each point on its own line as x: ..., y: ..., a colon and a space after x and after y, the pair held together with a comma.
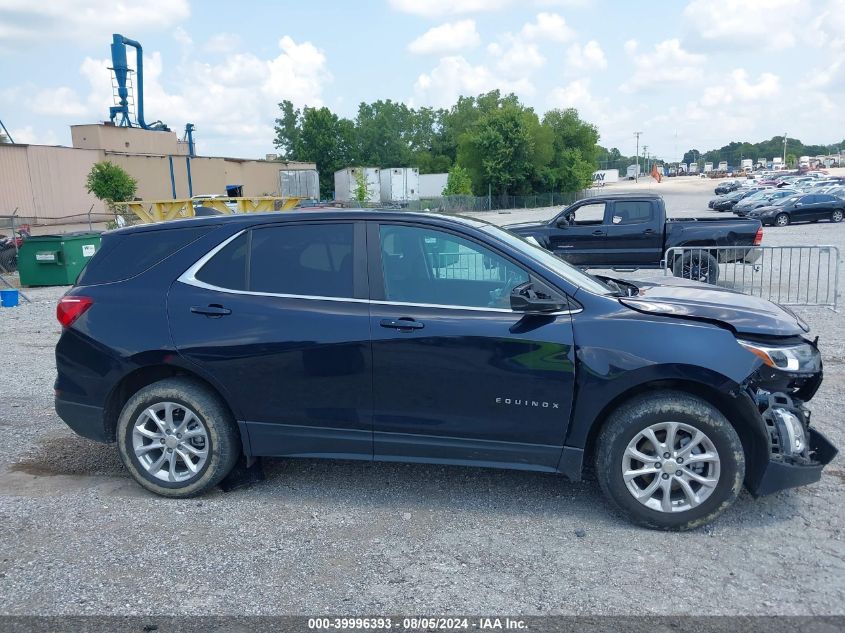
x: 525, y: 298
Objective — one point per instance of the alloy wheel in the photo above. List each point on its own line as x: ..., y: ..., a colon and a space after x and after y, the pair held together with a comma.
x: 671, y: 467
x: 170, y: 441
x: 836, y: 216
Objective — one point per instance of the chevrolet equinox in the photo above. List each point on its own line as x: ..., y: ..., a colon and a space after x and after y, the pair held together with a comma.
x: 397, y: 336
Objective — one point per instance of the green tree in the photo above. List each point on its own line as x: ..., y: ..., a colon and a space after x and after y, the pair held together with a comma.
x: 361, y: 191
x: 791, y: 160
x: 575, y: 150
x: 316, y: 135
x: 111, y: 183
x: 458, y: 182
x: 506, y: 149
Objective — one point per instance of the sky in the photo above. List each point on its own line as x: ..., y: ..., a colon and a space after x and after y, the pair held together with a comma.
x: 694, y: 74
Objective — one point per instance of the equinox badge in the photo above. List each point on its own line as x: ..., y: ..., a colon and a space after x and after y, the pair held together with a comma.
x: 519, y: 402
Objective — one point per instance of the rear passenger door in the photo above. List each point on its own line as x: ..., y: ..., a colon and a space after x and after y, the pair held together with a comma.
x: 633, y: 235
x: 277, y: 317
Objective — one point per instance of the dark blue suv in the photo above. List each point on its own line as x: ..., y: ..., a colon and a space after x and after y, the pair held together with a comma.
x: 396, y: 336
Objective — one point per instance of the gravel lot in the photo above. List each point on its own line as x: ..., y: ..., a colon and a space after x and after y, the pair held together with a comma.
x: 77, y: 536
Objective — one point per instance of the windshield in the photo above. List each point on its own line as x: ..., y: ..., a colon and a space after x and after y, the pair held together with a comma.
x: 570, y: 273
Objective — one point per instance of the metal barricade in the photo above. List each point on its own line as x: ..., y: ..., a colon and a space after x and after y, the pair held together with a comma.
x: 789, y: 275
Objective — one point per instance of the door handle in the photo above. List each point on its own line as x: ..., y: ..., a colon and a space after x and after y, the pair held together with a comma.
x: 599, y: 232
x: 213, y: 310
x: 403, y: 323
x: 648, y: 232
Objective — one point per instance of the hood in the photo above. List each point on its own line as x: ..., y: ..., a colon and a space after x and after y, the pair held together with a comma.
x: 693, y: 300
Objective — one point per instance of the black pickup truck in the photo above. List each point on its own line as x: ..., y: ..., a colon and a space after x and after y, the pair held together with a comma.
x: 632, y: 231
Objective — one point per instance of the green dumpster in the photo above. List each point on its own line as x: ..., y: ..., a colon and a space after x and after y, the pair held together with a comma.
x: 56, y: 260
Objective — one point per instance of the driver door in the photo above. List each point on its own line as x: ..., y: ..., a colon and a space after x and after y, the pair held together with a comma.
x: 458, y: 377
x: 583, y: 241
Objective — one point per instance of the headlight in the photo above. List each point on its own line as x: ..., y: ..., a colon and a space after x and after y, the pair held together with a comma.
x: 801, y: 358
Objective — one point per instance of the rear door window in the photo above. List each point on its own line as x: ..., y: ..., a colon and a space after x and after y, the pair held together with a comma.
x: 304, y: 259
x: 227, y: 269
x: 633, y: 212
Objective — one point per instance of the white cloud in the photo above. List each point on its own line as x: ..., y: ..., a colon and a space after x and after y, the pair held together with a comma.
x: 519, y: 55
x: 516, y: 57
x: 455, y: 76
x: 740, y: 24
x: 28, y: 136
x: 737, y: 88
x: 548, y: 26
x: 446, y: 38
x: 439, y: 8
x: 239, y: 95
x: 222, y: 43
x: 27, y: 22
x: 62, y: 101
x: 667, y: 64
x: 589, y: 57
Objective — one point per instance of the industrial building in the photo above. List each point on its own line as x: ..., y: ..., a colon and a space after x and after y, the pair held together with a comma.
x: 46, y: 184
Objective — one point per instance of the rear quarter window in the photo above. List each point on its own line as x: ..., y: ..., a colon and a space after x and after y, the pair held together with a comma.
x: 122, y: 256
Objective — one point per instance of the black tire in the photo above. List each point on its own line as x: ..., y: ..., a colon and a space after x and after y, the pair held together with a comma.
x: 698, y: 266
x: 636, y: 415
x: 836, y: 215
x: 223, y: 445
x: 781, y: 219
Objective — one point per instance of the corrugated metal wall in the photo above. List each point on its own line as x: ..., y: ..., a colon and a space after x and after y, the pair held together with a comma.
x: 47, y: 184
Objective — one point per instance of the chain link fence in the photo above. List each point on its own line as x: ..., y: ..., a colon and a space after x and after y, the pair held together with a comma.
x: 465, y: 204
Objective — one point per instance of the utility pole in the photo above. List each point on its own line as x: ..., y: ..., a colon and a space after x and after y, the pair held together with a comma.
x: 637, y: 156
x: 645, y: 158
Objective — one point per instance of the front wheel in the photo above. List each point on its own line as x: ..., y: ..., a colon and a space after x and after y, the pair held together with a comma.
x: 782, y: 219
x: 697, y: 266
x: 669, y: 461
x: 177, y: 438
x: 836, y: 216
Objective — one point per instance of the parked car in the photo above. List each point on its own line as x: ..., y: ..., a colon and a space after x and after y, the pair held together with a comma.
x: 396, y: 336
x: 632, y: 231
x: 726, y: 187
x: 728, y: 202
x: 761, y: 199
x: 801, y: 208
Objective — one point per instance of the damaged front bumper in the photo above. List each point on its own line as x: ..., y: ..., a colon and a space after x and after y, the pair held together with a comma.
x: 797, y: 451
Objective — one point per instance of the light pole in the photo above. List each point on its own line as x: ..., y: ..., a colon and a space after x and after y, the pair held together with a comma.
x: 637, y: 156
x: 784, y: 149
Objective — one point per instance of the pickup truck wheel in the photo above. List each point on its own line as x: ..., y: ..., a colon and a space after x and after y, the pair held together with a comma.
x: 836, y: 216
x: 176, y: 438
x: 669, y: 461
x: 782, y: 219
x: 698, y: 266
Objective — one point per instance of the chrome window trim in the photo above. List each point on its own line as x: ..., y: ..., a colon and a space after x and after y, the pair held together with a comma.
x: 189, y: 278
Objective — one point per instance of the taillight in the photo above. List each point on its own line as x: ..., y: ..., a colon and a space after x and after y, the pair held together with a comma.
x: 758, y: 239
x: 69, y: 309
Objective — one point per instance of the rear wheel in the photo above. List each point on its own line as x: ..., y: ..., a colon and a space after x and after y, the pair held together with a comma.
x: 176, y: 438
x: 836, y: 216
x: 698, y: 266
x: 669, y: 461
x: 782, y: 219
